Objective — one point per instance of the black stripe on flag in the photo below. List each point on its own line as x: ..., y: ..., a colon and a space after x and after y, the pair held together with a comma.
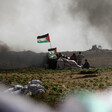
x: 43, y: 36
x: 52, y: 49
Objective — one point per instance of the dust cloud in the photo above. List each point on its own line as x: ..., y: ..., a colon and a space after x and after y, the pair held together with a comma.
x: 72, y: 25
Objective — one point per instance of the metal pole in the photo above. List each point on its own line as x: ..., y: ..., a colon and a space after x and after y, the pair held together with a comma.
x: 50, y: 44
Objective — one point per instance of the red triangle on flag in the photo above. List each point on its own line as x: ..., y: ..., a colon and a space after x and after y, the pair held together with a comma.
x: 47, y: 38
x: 55, y: 50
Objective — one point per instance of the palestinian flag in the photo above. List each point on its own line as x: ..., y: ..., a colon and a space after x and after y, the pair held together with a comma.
x: 43, y: 38
x: 53, y: 51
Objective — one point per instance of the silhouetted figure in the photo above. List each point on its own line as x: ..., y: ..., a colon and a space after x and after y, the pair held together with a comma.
x: 79, y: 58
x: 52, y: 61
x: 59, y: 55
x: 73, y: 57
x: 86, y: 64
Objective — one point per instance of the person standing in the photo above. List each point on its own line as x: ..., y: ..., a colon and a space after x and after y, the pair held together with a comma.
x: 80, y: 58
x: 73, y: 57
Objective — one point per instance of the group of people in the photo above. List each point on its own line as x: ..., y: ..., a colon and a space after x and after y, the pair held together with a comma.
x: 79, y: 59
x: 62, y: 61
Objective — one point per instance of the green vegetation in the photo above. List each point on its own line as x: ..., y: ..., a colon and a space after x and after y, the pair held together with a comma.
x: 59, y: 83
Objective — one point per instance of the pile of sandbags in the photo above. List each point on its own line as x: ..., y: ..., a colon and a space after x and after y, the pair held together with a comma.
x: 34, y: 87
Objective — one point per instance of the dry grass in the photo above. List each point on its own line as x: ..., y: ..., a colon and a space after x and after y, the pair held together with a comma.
x: 58, y: 83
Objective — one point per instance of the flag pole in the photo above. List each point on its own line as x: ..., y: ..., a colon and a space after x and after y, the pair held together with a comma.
x: 50, y: 44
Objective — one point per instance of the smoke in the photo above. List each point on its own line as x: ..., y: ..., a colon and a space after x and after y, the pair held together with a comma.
x: 72, y: 25
x: 98, y: 15
x: 3, y: 47
x: 14, y: 60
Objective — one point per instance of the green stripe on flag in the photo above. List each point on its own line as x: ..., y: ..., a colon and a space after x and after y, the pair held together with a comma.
x: 53, y: 54
x: 43, y: 41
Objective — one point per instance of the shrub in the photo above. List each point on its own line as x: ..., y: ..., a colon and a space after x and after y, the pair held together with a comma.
x: 101, y: 86
x: 95, y: 84
x: 60, y: 90
x: 46, y: 86
x: 107, y: 78
x: 109, y: 84
x: 54, y: 88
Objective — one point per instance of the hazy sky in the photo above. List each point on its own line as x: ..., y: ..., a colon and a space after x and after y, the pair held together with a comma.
x: 72, y: 24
